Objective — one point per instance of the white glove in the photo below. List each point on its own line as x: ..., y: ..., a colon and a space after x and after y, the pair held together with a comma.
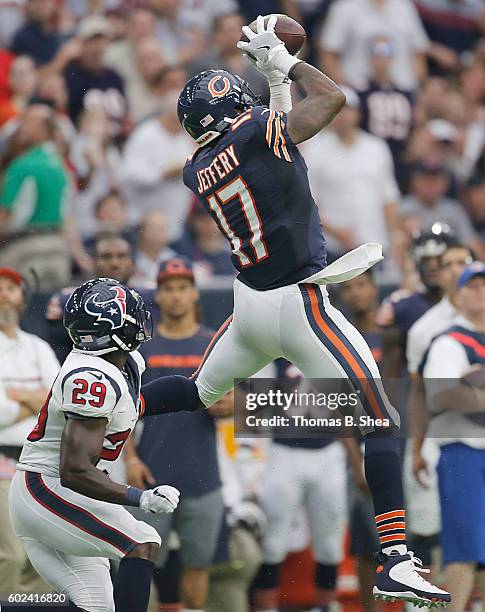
x: 265, y: 48
x: 163, y: 499
x: 273, y: 76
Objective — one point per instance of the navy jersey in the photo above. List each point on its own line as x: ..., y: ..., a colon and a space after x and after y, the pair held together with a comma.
x: 253, y: 181
x: 103, y: 89
x: 402, y: 309
x: 411, y: 308
x: 180, y: 448
x: 387, y: 112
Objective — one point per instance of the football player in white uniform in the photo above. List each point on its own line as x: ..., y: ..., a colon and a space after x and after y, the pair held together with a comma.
x: 65, y: 509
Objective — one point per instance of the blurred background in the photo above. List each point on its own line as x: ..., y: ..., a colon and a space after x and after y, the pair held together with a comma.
x: 91, y: 158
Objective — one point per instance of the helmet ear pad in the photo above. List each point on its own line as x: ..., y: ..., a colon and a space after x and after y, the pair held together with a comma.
x: 210, y: 100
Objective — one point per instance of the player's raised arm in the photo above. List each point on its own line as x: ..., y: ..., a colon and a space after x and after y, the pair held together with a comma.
x: 323, y: 98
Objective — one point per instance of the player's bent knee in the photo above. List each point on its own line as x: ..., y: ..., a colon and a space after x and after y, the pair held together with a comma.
x: 146, y: 550
x: 208, y: 396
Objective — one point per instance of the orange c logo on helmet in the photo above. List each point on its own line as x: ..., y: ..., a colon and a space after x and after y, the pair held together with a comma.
x: 217, y: 93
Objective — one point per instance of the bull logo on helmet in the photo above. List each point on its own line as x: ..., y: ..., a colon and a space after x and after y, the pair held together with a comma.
x: 112, y: 311
x: 219, y: 92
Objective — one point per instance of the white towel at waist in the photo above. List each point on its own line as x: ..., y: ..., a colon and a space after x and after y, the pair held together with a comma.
x: 349, y: 265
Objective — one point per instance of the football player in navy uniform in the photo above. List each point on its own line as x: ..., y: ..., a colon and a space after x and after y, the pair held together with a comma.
x: 402, y: 308
x: 66, y: 510
x: 248, y: 173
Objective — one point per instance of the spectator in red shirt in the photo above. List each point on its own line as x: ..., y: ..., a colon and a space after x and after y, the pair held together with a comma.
x: 22, y: 78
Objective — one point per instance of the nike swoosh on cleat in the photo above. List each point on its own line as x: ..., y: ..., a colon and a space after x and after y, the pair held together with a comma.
x: 265, y: 47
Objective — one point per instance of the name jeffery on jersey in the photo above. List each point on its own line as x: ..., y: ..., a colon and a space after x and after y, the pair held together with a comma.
x: 253, y: 182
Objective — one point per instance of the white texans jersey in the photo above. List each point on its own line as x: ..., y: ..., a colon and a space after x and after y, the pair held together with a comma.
x: 87, y: 386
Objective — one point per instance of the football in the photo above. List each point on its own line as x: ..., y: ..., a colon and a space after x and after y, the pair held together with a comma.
x: 287, y: 30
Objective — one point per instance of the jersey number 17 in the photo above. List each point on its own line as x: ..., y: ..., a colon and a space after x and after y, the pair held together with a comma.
x: 237, y: 188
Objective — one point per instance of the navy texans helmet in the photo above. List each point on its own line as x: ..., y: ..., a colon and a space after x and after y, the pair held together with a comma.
x: 210, y: 101
x: 103, y: 315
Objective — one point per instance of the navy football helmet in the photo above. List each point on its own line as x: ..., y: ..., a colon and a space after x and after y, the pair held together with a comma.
x: 432, y: 242
x: 210, y: 101
x: 427, y: 244
x: 103, y: 315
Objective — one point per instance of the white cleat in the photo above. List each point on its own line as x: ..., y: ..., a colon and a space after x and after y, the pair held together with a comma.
x: 398, y: 580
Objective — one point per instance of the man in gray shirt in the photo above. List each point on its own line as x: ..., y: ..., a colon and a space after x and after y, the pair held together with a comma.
x: 427, y: 204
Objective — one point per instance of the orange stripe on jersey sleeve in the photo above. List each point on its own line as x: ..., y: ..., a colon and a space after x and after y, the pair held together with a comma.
x: 241, y: 119
x: 283, y: 143
x: 277, y: 136
x: 269, y: 127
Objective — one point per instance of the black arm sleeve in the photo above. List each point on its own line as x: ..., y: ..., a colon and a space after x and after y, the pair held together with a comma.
x: 170, y: 394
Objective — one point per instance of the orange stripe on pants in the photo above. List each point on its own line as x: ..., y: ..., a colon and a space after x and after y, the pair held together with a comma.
x: 343, y: 350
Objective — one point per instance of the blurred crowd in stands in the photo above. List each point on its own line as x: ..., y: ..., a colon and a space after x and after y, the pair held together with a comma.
x: 90, y: 142
x: 91, y: 156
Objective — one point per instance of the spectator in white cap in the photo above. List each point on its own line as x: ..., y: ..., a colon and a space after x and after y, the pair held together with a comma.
x: 387, y: 109
x: 352, y: 177
x: 89, y: 82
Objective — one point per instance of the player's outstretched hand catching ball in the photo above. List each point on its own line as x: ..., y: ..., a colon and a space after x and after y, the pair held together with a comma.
x: 273, y: 76
x: 265, y: 48
x: 163, y: 499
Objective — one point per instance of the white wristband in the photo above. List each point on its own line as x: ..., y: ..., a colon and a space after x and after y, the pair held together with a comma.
x: 280, y: 97
x: 284, y: 62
